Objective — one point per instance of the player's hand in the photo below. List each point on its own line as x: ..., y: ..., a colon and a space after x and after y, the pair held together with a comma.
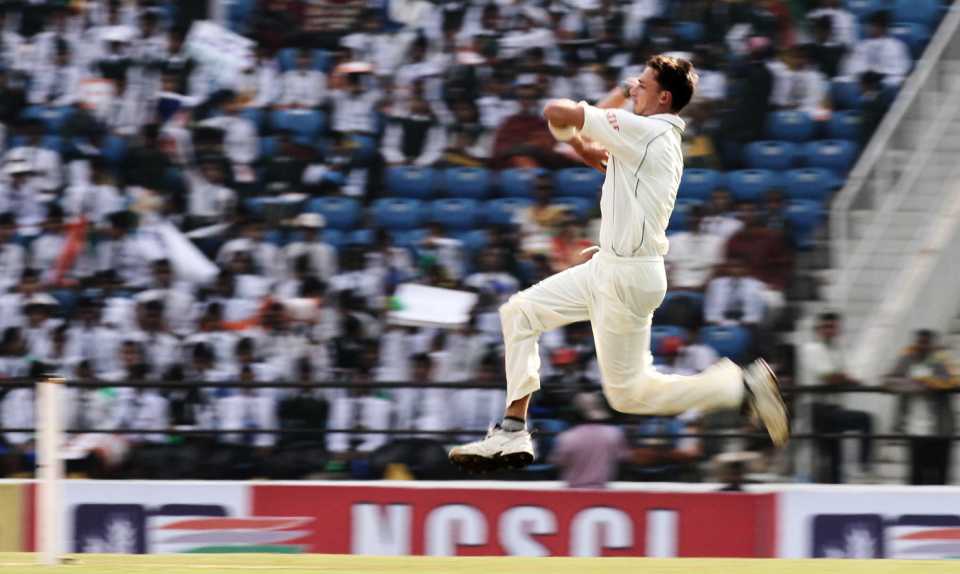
x: 594, y: 155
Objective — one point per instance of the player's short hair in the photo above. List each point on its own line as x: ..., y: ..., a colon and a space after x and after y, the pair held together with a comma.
x: 677, y: 76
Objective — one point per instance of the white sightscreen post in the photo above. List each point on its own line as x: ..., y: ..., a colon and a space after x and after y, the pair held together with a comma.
x: 49, y: 469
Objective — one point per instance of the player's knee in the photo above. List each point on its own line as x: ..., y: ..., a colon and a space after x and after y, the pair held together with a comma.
x: 619, y: 399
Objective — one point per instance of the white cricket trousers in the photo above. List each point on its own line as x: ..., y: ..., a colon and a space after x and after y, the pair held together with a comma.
x: 618, y: 295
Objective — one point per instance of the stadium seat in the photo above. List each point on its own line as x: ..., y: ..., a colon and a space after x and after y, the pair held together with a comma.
x: 339, y: 212
x: 845, y: 125
x: 578, y: 181
x: 363, y: 237
x: 688, y: 32
x: 913, y: 34
x: 698, y: 184
x: 581, y: 207
x: 503, y: 211
x: 924, y: 12
x: 366, y: 148
x: 411, y: 181
x: 845, y: 94
x: 114, y: 150
x: 268, y: 147
x: 813, y: 183
x: 467, y: 182
x: 255, y: 115
x: 837, y: 155
x: 53, y: 142
x: 790, y: 125
x: 661, y: 332
x: 408, y: 238
x: 751, y: 184
x: 731, y: 341
x: 287, y: 59
x: 306, y: 125
x: 398, y: 213
x: 769, y: 154
x: 333, y: 236
x: 863, y: 8
x: 519, y: 182
x: 804, y: 217
x: 455, y: 213
x: 473, y: 241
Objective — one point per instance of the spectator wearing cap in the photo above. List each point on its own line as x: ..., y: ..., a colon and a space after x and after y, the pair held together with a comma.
x: 879, y: 52
x: 694, y: 254
x: 589, y: 454
x: 12, y: 259
x: 21, y: 196
x: 126, y: 251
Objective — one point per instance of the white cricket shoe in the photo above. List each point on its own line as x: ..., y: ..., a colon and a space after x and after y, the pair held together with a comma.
x: 765, y: 402
x: 499, y: 450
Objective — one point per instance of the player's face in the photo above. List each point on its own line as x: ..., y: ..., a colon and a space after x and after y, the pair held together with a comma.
x: 646, y: 94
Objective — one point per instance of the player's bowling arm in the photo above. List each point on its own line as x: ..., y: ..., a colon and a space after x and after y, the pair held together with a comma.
x: 592, y: 154
x: 564, y: 114
x: 617, y: 96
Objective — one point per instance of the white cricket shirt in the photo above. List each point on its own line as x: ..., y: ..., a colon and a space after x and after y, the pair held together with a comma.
x: 643, y: 173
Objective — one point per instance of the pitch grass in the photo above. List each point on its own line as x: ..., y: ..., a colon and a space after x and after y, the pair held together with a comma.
x: 22, y: 563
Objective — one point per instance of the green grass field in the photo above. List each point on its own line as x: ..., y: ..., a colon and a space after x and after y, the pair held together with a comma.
x: 11, y: 563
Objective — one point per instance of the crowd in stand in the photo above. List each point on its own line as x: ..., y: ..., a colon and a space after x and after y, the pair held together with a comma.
x: 121, y: 144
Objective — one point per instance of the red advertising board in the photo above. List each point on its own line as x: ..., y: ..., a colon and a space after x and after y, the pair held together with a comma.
x: 491, y: 522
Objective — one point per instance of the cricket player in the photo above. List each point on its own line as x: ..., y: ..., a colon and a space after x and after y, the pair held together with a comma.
x: 623, y: 284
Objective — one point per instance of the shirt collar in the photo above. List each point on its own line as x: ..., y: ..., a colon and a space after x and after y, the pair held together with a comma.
x: 672, y: 119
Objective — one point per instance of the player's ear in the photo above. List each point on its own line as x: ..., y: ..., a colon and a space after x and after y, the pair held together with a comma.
x: 666, y: 98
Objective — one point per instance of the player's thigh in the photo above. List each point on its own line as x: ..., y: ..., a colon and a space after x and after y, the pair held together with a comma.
x: 558, y: 300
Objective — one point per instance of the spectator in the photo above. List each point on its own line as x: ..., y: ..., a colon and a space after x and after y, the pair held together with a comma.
x: 522, y: 140
x: 416, y: 136
x: 477, y: 409
x: 209, y: 200
x: 752, y: 83
x: 539, y: 221
x: 922, y: 413
x: 720, y: 217
x: 490, y: 278
x: 733, y: 297
x: 90, y: 340
x: 442, y: 251
x: 879, y: 52
x: 825, y: 53
x: 12, y: 255
x: 126, y: 251
x: 355, y: 106
x: 303, y: 88
x: 588, y: 455
x: 22, y: 197
x: 569, y: 246
x: 798, y: 85
x: 94, y: 199
x: 841, y: 23
x: 694, y: 255
x: 874, y: 102
x: 822, y: 363
x: 258, y: 84
x: 360, y: 410
x: 240, y: 141
x: 764, y: 251
x: 248, y: 410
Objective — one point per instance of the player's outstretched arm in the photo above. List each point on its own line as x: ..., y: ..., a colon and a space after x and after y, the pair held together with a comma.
x: 564, y: 114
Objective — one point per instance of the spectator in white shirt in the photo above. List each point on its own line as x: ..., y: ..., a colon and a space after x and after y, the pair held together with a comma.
x: 12, y: 260
x: 733, y: 298
x: 354, y: 106
x: 360, y: 410
x: 694, y: 254
x: 321, y: 256
x: 209, y: 200
x: 177, y: 297
x: 162, y: 348
x: 248, y: 409
x: 37, y: 329
x: 416, y: 136
x: 58, y: 83
x: 46, y: 169
x: 720, y: 218
x: 879, y: 52
x: 95, y: 199
x: 477, y: 409
x: 822, y: 363
x: 799, y: 85
x: 126, y: 251
x: 843, y: 22
x: 91, y: 340
x: 259, y: 84
x: 304, y: 87
x: 21, y: 197
x: 240, y: 140
x: 252, y: 240
x: 46, y: 249
x: 491, y: 278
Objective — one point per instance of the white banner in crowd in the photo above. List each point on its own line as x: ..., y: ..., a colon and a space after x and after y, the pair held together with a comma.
x: 189, y: 263
x: 222, y: 53
x: 420, y: 305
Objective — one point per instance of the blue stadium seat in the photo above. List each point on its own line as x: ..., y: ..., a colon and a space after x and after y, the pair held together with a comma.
x: 688, y: 32
x: 924, y: 12
x: 53, y: 142
x: 519, y: 182
x: 398, y: 213
x: 411, y: 181
x: 268, y: 147
x: 53, y: 118
x: 837, y: 155
x: 408, y: 238
x: 731, y: 341
x: 845, y: 94
x: 913, y: 34
x: 660, y: 332
x: 366, y: 148
x: 114, y: 150
x: 813, y: 183
x: 581, y: 207
x: 770, y: 154
x: 845, y: 125
x: 468, y: 182
x: 502, y: 211
x: 473, y: 241
x: 255, y: 115
x: 804, y: 217
x: 363, y: 237
x: 578, y: 181
x: 306, y: 125
x: 863, y: 8
x: 790, y: 125
x: 333, y: 236
x: 455, y: 213
x: 751, y: 184
x: 339, y: 212
x: 698, y: 184
x: 288, y: 59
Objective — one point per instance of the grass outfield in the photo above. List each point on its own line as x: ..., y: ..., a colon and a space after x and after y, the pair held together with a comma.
x: 22, y: 563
